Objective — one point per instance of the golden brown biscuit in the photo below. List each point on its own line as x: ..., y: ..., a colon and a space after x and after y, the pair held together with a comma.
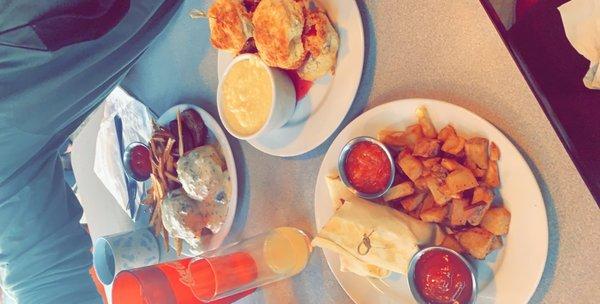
x: 321, y: 41
x: 230, y: 25
x: 278, y: 31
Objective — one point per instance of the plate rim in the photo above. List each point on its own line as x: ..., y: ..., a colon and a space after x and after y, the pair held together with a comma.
x: 543, y: 226
x: 221, y: 55
x: 228, y: 154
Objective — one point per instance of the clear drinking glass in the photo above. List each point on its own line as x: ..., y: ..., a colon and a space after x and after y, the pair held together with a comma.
x: 260, y: 260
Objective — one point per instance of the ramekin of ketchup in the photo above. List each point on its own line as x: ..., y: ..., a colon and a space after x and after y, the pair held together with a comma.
x: 367, y: 167
x: 138, y: 159
x: 438, y: 275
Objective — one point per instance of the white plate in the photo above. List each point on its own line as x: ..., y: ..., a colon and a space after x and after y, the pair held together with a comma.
x: 215, y: 134
x: 322, y: 110
x: 508, y: 276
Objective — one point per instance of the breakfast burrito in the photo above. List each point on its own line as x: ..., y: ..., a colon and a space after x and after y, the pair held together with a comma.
x: 372, y: 239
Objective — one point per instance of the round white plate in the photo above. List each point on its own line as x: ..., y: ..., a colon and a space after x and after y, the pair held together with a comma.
x: 215, y: 135
x: 510, y: 275
x: 322, y: 110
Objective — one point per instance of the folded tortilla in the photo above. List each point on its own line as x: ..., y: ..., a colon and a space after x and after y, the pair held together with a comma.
x: 393, y: 236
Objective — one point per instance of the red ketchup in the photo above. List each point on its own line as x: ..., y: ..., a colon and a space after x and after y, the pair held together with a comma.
x: 140, y: 162
x: 443, y: 278
x: 368, y: 168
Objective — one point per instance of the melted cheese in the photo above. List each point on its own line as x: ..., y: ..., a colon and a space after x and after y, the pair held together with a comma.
x: 247, y: 96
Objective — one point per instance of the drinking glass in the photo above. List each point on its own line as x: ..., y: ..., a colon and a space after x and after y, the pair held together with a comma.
x: 260, y: 260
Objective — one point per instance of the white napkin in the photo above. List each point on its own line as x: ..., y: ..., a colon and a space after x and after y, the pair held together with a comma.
x: 137, y: 126
x: 581, y: 19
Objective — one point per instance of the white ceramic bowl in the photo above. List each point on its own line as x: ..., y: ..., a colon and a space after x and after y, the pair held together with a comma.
x: 284, y: 99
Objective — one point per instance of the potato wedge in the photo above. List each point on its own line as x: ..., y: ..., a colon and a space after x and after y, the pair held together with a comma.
x: 425, y: 122
x: 496, y: 220
x: 454, y: 144
x: 411, y: 166
x: 451, y: 243
x: 492, y: 177
x: 461, y: 180
x: 494, y: 152
x: 475, y: 212
x: 476, y: 241
x: 446, y: 132
x: 426, y: 147
x: 456, y: 214
x: 434, y: 215
x: 439, y: 197
x: 477, y: 151
x: 413, y: 201
x: 399, y: 191
x: 496, y: 243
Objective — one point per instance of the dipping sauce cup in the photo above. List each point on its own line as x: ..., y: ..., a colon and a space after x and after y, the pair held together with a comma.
x: 439, y: 275
x: 366, y: 167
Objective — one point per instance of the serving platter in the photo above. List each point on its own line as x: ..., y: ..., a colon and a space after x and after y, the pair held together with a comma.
x: 321, y: 111
x: 510, y: 275
x: 216, y: 136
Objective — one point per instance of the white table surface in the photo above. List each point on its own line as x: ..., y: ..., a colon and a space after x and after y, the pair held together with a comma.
x: 447, y: 50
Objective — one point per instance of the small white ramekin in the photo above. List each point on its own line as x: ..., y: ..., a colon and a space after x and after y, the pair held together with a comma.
x: 284, y: 99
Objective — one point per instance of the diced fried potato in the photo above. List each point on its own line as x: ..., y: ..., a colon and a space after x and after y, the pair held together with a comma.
x: 434, y: 215
x: 439, y: 172
x: 421, y: 183
x: 411, y: 202
x: 494, y: 152
x: 446, y: 132
x: 411, y: 166
x: 482, y: 193
x: 476, y: 241
x: 404, y: 152
x: 428, y: 203
x: 492, y: 177
x: 439, y: 197
x: 477, y: 151
x: 425, y: 122
x: 454, y: 144
x: 496, y: 243
x: 427, y: 147
x: 478, y: 172
x: 399, y: 191
x: 458, y: 195
x: 461, y: 180
x: 417, y: 130
x: 451, y: 243
x: 450, y: 164
x: 413, y: 134
x: 457, y: 214
x: 448, y: 230
x: 415, y: 214
x: 496, y: 221
x: 475, y: 212
x: 396, y: 139
x: 430, y: 162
